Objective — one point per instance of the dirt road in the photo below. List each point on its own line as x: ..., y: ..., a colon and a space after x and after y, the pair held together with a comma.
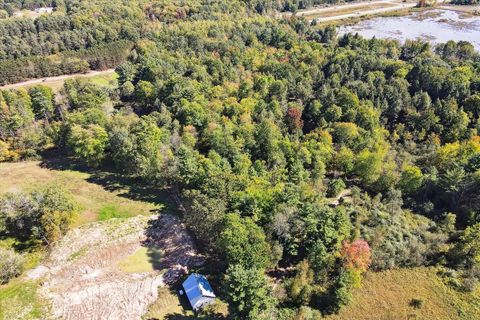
x: 354, y: 10
x: 50, y: 80
x: 367, y: 12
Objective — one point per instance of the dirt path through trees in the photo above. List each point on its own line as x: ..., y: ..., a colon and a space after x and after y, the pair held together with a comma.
x: 49, y: 80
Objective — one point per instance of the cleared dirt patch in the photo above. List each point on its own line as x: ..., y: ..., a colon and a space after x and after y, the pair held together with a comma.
x: 82, y: 277
x: 56, y: 83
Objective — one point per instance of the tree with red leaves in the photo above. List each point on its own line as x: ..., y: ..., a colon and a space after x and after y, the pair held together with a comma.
x: 356, y: 255
x: 294, y: 119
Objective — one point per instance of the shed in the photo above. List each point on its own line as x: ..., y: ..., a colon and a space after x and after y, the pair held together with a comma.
x: 198, y: 290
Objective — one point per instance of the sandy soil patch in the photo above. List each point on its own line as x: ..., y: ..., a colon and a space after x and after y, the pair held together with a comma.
x: 82, y: 278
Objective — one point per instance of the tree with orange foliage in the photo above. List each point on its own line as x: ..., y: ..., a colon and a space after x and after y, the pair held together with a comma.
x: 356, y: 255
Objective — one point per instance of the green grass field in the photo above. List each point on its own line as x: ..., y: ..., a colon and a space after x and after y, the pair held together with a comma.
x: 104, y: 80
x: 19, y: 300
x: 95, y: 201
x: 143, y: 260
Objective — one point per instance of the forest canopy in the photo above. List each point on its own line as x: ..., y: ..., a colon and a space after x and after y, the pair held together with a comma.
x: 288, y: 146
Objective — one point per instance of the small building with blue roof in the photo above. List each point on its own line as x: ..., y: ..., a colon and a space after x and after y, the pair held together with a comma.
x: 198, y: 291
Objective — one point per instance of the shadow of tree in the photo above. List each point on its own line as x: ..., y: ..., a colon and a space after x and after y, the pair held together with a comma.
x: 155, y: 255
x: 125, y: 186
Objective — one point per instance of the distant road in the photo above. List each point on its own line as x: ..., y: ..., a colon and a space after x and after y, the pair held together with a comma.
x: 359, y: 9
x: 50, y: 80
x: 361, y: 13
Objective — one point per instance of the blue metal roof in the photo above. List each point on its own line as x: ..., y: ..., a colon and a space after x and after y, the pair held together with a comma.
x: 197, y: 287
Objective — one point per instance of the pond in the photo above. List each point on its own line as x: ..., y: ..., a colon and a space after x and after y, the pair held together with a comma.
x: 436, y: 26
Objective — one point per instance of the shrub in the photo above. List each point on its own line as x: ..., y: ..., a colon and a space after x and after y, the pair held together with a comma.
x: 301, y: 289
x: 6, y: 154
x: 341, y: 294
x: 417, y: 303
x: 216, y: 310
x: 11, y: 265
x: 307, y: 313
x: 44, y: 214
x: 402, y: 240
x: 335, y: 186
x: 468, y: 248
x: 470, y: 279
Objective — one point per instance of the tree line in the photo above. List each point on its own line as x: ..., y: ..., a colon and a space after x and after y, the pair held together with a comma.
x: 29, y: 45
x: 96, y: 58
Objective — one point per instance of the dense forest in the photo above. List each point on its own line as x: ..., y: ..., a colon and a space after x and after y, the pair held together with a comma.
x: 76, y: 37
x: 32, y: 48
x: 290, y: 148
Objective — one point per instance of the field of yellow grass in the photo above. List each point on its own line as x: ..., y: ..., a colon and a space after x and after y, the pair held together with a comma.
x: 388, y: 295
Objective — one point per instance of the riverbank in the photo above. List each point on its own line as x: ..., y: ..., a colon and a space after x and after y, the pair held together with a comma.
x: 435, y: 26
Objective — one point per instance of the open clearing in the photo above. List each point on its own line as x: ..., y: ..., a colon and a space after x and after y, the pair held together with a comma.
x: 83, y: 276
x: 32, y: 14
x: 20, y: 300
x: 104, y: 78
x: 341, y: 10
x: 387, y: 295
x: 96, y: 202
x: 169, y: 305
x: 112, y: 264
x: 142, y: 260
